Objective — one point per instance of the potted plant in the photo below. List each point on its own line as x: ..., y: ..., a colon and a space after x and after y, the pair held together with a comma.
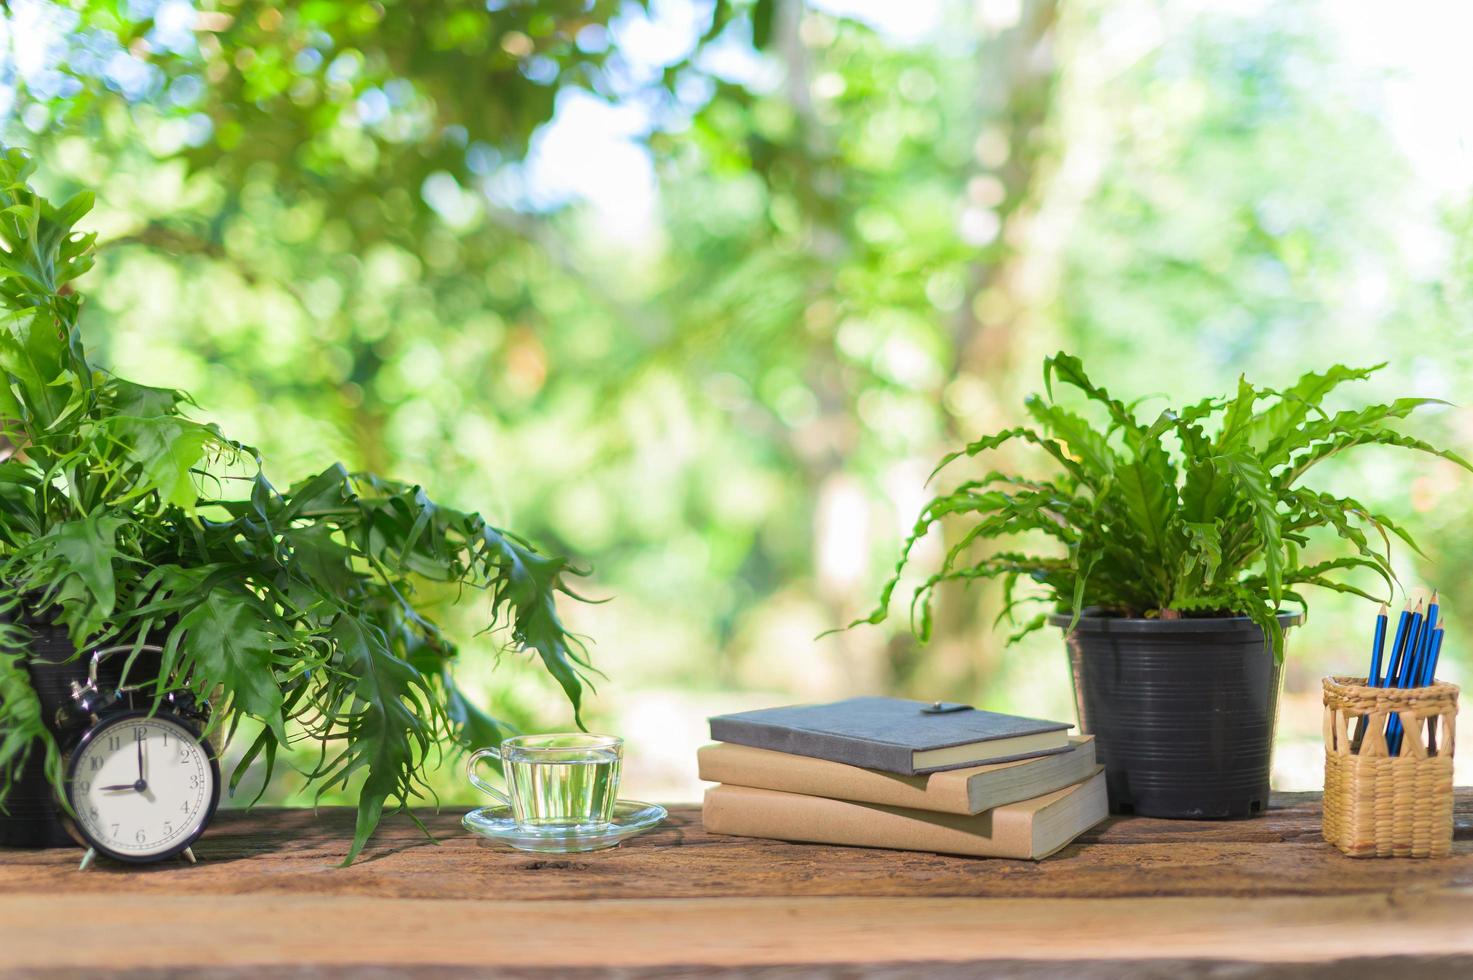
x: 1175, y: 544
x: 123, y: 520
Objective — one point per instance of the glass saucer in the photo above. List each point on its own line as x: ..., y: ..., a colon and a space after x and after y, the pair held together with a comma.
x: 630, y: 818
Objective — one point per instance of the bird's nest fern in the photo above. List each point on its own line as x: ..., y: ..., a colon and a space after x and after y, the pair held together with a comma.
x: 1197, y: 511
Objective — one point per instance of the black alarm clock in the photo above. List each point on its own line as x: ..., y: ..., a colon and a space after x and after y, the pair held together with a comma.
x: 142, y: 782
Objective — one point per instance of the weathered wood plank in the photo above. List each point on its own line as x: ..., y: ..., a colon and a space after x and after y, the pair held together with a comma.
x: 174, y: 932
x: 296, y: 852
x: 1135, y: 897
x: 1346, y: 967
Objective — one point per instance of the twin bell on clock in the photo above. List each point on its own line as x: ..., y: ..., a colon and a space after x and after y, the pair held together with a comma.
x: 141, y: 781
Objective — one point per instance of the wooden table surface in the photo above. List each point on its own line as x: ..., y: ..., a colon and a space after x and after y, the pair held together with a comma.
x: 1134, y: 897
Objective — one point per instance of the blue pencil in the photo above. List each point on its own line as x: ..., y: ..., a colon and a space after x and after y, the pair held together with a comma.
x: 1378, y: 646
x: 1373, y: 676
x: 1429, y: 675
x: 1412, y: 619
x: 1416, y: 673
x: 1429, y: 669
x: 1400, y: 668
x: 1402, y: 622
x: 1397, y: 645
x: 1412, y: 677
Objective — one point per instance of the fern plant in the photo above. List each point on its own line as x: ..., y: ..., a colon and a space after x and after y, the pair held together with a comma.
x: 1200, y: 511
x: 127, y: 521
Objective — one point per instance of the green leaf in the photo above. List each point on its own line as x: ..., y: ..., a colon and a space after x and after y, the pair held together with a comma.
x: 1203, y: 550
x: 162, y: 447
x: 1271, y: 428
x: 1207, y: 493
x: 316, y: 552
x: 982, y: 445
x: 1337, y: 512
x: 389, y: 728
x: 227, y: 640
x: 1232, y: 435
x: 528, y: 586
x: 40, y: 255
x: 1070, y: 370
x: 1381, y: 437
x: 34, y: 358
x: 1361, y: 420
x: 1079, y: 438
x: 1147, y: 487
x: 1335, y: 586
x: 22, y: 720
x: 328, y: 494
x: 1032, y: 626
x: 1210, y: 603
x: 1254, y: 480
x: 74, y: 562
x: 166, y: 451
x: 1266, y: 615
x: 1310, y: 572
x: 1084, y: 563
x: 473, y: 727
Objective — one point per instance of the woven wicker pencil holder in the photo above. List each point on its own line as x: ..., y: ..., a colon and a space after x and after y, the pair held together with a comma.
x: 1376, y: 805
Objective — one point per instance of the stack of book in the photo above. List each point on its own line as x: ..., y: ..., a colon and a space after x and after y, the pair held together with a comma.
x: 912, y: 775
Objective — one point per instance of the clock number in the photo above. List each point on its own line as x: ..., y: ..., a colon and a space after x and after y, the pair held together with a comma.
x: 115, y: 830
x: 184, y: 757
x: 184, y: 808
x: 114, y: 743
x: 139, y: 733
x: 140, y: 837
x: 84, y: 784
x: 166, y: 738
x: 168, y: 828
x: 94, y: 763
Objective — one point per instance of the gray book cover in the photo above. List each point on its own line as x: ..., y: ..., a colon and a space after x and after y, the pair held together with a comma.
x: 879, y: 733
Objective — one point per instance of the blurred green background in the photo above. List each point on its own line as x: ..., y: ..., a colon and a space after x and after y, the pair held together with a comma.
x: 699, y: 292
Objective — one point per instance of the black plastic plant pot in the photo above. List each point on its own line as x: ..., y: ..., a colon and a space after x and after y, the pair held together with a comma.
x: 1182, y: 711
x: 32, y: 817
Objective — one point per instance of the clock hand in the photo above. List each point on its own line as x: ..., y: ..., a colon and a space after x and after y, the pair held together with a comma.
x: 142, y: 784
x: 128, y: 786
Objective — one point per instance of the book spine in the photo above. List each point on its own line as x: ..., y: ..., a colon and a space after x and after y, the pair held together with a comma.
x: 819, y: 745
x: 744, y: 765
x: 746, y: 812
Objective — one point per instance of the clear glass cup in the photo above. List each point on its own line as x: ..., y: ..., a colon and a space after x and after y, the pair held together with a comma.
x: 555, y: 781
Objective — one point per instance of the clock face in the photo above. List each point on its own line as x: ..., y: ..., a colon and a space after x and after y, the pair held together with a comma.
x: 142, y: 787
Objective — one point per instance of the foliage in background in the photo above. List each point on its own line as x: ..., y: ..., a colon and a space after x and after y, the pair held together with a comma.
x: 1198, y: 512
x: 126, y: 521
x: 861, y: 241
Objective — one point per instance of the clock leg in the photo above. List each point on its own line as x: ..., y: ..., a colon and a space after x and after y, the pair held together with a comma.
x: 189, y: 855
x: 87, y: 859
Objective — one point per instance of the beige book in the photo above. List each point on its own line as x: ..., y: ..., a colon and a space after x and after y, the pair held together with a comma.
x: 970, y: 790
x: 1030, y: 829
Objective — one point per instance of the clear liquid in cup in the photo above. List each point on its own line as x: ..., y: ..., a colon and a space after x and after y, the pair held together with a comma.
x: 553, y: 788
